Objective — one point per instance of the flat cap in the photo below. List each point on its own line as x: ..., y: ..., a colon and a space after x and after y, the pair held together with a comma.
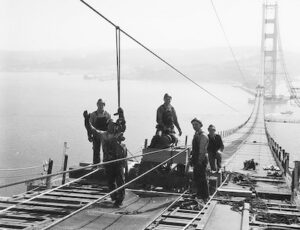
x: 196, y: 120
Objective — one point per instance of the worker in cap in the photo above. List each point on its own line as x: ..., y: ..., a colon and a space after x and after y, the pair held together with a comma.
x: 214, y: 149
x: 99, y: 120
x: 166, y: 117
x: 199, y: 160
x: 113, y: 149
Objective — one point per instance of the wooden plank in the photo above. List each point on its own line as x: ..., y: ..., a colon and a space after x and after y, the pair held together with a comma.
x: 286, y: 213
x: 284, y: 226
x: 81, y: 191
x: 271, y: 194
x: 87, y: 187
x: 284, y: 209
x: 65, y: 200
x: 64, y: 194
x: 166, y: 227
x: 20, y: 216
x: 45, y: 204
x: 234, y: 192
x: 9, y: 225
x: 176, y: 216
x: 175, y: 221
x: 44, y: 210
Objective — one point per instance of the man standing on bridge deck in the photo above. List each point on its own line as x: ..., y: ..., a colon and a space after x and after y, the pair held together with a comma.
x: 199, y: 160
x: 113, y: 149
x: 166, y: 117
x: 214, y: 149
x: 98, y: 120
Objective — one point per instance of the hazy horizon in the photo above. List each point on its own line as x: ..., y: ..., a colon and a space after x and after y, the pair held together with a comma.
x: 70, y: 25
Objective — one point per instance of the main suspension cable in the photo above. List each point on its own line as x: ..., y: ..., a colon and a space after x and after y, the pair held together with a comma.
x: 157, y: 56
x: 227, y: 40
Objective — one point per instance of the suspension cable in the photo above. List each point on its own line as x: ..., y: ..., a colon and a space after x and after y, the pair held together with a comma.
x: 19, y: 169
x: 117, y: 189
x: 118, y: 55
x: 85, y: 167
x: 159, y: 57
x: 227, y: 41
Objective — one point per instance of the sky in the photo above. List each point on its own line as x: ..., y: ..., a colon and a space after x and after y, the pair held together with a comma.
x: 36, y: 25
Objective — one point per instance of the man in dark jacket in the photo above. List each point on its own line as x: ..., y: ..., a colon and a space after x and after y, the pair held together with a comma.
x: 166, y: 117
x: 199, y: 160
x: 113, y: 149
x: 215, y: 147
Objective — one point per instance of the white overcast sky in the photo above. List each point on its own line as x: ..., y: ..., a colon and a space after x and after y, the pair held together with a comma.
x: 160, y: 24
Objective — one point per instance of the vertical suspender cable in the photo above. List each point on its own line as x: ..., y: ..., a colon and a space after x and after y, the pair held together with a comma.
x: 118, y: 55
x: 118, y: 30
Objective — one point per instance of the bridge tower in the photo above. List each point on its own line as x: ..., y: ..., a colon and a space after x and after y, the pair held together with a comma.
x: 269, y: 46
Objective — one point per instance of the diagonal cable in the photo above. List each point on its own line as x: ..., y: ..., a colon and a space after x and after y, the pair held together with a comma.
x: 157, y: 56
x: 227, y: 40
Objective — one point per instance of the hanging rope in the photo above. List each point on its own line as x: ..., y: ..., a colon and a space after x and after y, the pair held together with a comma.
x: 118, y: 55
x: 19, y: 169
x: 160, y: 58
x: 228, y: 43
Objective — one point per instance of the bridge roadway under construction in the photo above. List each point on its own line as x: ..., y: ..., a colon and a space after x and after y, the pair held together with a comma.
x: 243, y: 199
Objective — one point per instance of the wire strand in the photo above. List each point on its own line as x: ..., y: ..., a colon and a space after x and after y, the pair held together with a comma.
x: 227, y: 40
x: 160, y: 58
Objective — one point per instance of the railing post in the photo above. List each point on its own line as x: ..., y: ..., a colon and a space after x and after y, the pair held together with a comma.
x: 188, y: 160
x: 283, y: 160
x: 64, y: 169
x: 287, y: 163
x: 146, y: 143
x: 65, y: 162
x: 295, y: 179
x: 49, y: 171
x: 280, y: 152
x: 186, y: 140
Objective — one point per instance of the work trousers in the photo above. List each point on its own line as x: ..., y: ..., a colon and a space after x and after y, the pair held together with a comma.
x: 115, y: 179
x: 200, y: 180
x: 214, y: 159
x: 96, y: 149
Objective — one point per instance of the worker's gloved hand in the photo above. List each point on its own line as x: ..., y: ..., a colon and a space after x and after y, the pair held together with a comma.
x: 191, y: 162
x: 120, y: 112
x: 85, y: 114
x: 180, y: 133
x: 90, y: 138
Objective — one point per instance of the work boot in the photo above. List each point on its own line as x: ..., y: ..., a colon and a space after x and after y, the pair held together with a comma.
x: 118, y: 203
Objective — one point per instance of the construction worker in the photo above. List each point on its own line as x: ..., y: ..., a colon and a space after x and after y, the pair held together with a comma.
x: 214, y: 149
x: 113, y: 150
x: 98, y: 120
x: 199, y: 160
x: 166, y: 117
